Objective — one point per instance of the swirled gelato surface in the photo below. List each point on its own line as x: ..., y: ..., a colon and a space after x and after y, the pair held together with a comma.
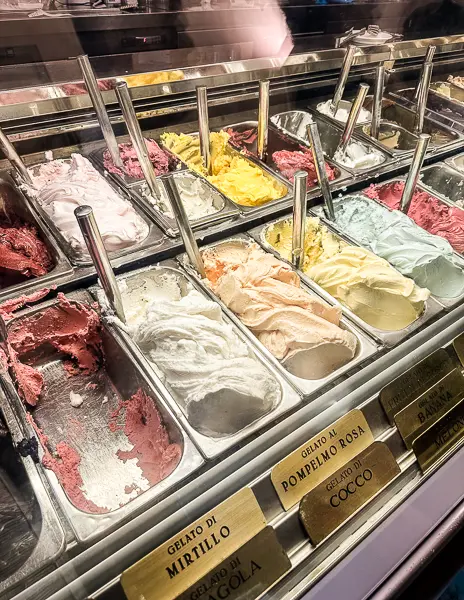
x: 62, y: 185
x: 428, y: 212
x: 211, y: 372
x: 365, y: 283
x: 265, y: 293
x: 427, y: 259
x: 233, y: 175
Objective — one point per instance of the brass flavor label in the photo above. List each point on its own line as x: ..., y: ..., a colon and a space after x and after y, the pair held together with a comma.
x: 245, y: 574
x: 188, y: 556
x: 404, y: 389
x: 458, y: 345
x: 442, y: 436
x: 333, y: 501
x: 412, y: 420
x: 305, y: 468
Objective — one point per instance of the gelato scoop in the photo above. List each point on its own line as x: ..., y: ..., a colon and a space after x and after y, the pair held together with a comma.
x: 162, y: 161
x: 265, y: 293
x: 343, y: 112
x: 428, y: 212
x: 233, y: 175
x: 365, y: 283
x: 211, y: 372
x: 62, y: 185
x: 427, y: 259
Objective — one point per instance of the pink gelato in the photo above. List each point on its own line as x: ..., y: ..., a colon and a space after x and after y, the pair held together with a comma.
x: 428, y: 212
x: 161, y: 160
x: 71, y: 328
x: 288, y: 163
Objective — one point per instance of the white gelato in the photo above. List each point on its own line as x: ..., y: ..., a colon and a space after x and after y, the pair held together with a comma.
x: 359, y: 156
x: 211, y: 372
x: 343, y: 112
x: 62, y: 185
x: 196, y: 195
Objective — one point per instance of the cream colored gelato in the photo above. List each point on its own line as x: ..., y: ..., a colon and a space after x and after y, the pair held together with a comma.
x: 295, y: 326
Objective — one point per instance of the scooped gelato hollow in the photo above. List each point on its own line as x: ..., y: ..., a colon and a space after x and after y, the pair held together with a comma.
x: 427, y: 259
x: 428, y: 212
x: 233, y: 175
x: 298, y: 328
x: 212, y: 374
x: 368, y: 285
x: 62, y: 185
x: 357, y: 156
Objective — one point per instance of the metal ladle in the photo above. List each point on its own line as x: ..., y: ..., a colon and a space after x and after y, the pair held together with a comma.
x: 203, y: 127
x: 353, y: 117
x: 319, y: 163
x: 14, y: 158
x: 263, y: 118
x: 414, y: 171
x: 300, y: 183
x: 379, y: 87
x: 97, y: 100
x: 91, y: 233
x: 342, y: 78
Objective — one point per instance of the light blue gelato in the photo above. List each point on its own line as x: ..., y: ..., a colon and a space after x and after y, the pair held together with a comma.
x: 428, y: 259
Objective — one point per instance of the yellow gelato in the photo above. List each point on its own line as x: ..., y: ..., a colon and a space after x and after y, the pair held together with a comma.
x: 153, y: 78
x: 237, y: 178
x: 365, y: 283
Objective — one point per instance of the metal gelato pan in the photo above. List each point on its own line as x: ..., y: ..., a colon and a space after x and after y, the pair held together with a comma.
x: 444, y: 182
x: 222, y: 208
x: 124, y: 180
x: 387, y: 338
x: 283, y: 184
x: 32, y: 537
x: 211, y: 445
x: 14, y: 205
x: 153, y: 239
x: 442, y: 109
x: 365, y: 348
x: 447, y: 303
x: 295, y: 123
x: 107, y: 475
x: 394, y: 115
x: 447, y: 90
x: 277, y: 141
x: 457, y: 162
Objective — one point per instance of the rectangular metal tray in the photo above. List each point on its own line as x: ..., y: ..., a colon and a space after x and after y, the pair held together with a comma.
x: 318, y: 211
x: 294, y: 123
x: 123, y: 180
x: 386, y: 338
x: 444, y: 182
x: 278, y: 140
x: 210, y: 447
x: 456, y: 94
x: 225, y: 209
x: 14, y: 204
x: 253, y: 209
x: 365, y: 347
x: 105, y: 477
x: 440, y: 107
x: 32, y: 537
x: 394, y: 113
x: 154, y: 238
x: 457, y: 162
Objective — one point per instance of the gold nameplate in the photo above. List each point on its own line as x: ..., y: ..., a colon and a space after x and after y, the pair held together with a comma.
x: 440, y: 437
x: 191, y: 554
x: 324, y: 509
x: 404, y: 389
x: 305, y: 468
x: 414, y: 419
x: 458, y: 345
x: 245, y: 574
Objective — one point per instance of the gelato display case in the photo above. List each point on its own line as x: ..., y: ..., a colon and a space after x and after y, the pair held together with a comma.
x: 232, y: 321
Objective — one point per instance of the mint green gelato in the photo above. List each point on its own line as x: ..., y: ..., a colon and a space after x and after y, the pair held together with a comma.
x: 428, y: 259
